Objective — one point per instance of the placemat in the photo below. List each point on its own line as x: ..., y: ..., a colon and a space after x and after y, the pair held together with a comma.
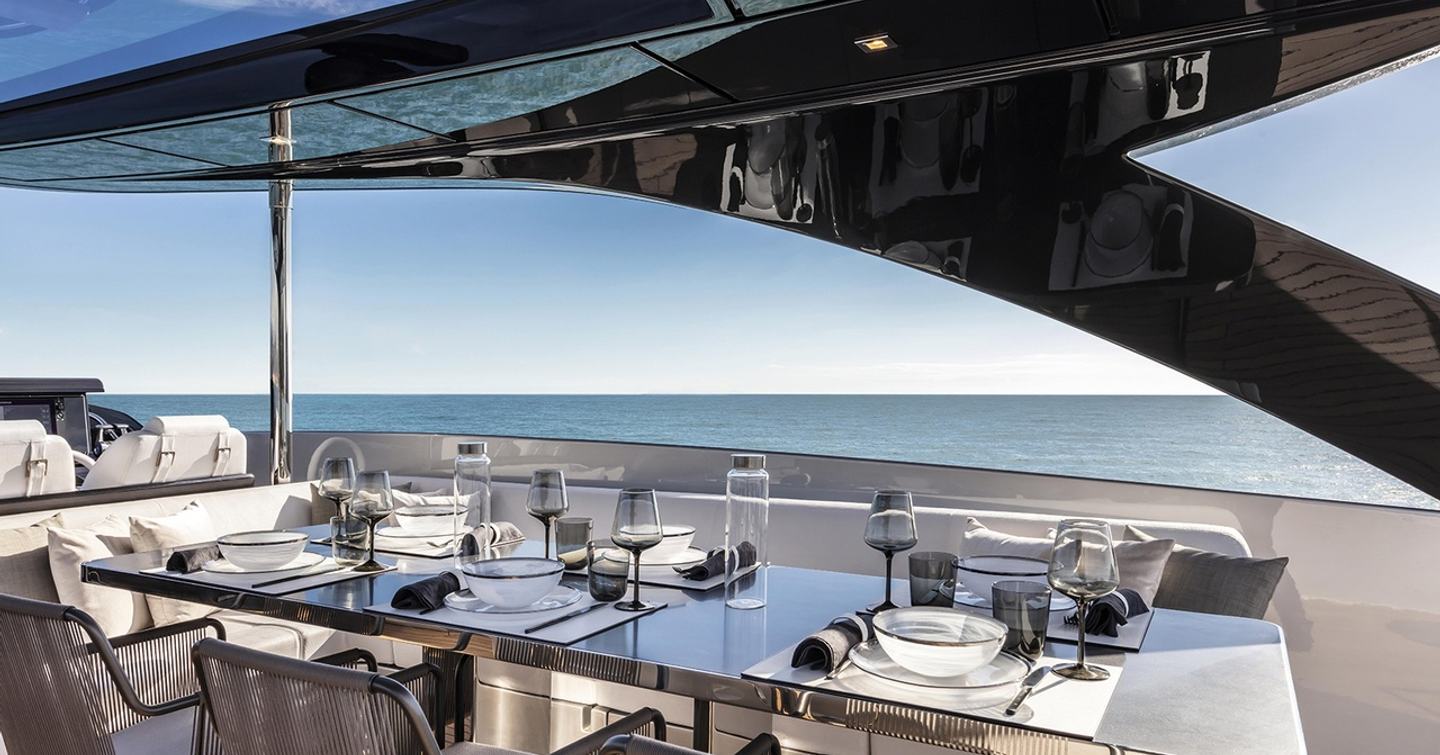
x: 665, y: 576
x: 249, y: 581
x: 515, y: 624
x: 1057, y: 705
x: 1129, y: 637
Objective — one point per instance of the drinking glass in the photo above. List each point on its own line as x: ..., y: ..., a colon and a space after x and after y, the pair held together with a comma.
x: 607, y: 577
x: 349, y: 540
x: 547, y: 499
x: 372, y: 501
x: 1082, y: 565
x: 890, y: 530
x: 572, y: 533
x: 932, y: 579
x: 1024, y: 608
x: 337, y: 479
x: 636, y: 528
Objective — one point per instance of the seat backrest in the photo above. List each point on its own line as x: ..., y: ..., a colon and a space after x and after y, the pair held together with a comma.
x: 56, y: 693
x: 263, y: 703
x: 634, y: 744
x: 170, y: 448
x: 32, y: 462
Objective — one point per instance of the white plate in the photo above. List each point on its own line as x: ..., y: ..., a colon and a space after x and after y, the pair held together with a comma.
x: 304, y: 560
x: 687, y: 557
x: 1058, y: 602
x: 1004, y: 669
x: 394, y: 531
x: 561, y: 596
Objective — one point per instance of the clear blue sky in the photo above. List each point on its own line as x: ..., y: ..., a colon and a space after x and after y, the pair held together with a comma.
x: 540, y: 292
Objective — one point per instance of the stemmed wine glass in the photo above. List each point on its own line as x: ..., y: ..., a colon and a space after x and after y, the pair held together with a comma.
x: 1082, y: 565
x: 372, y: 501
x: 890, y: 530
x: 547, y: 499
x: 337, y: 479
x: 636, y: 528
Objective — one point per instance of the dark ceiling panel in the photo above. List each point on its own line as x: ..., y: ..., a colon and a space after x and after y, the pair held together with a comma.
x: 600, y: 87
x: 445, y: 37
x: 84, y: 159
x: 817, y: 50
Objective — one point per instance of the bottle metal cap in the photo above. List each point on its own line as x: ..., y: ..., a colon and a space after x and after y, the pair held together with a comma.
x: 472, y: 447
x: 747, y: 461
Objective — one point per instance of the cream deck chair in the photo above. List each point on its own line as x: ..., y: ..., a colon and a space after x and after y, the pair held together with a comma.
x: 32, y: 462
x: 170, y: 448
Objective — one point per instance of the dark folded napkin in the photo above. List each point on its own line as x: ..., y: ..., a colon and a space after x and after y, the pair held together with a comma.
x: 714, y: 563
x: 1106, y: 615
x: 187, y: 560
x: 829, y: 647
x: 427, y: 594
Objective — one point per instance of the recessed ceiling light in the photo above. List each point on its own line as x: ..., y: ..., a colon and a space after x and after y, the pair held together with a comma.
x: 876, y: 43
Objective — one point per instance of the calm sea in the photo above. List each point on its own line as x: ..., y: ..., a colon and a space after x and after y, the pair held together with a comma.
x: 1201, y: 441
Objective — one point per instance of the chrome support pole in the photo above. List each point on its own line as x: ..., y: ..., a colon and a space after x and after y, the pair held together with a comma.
x: 281, y: 396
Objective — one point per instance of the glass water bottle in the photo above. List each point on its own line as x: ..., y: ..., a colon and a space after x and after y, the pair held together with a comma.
x: 747, y: 513
x: 472, y: 496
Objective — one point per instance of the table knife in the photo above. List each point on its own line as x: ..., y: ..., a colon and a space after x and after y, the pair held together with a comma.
x: 1026, y: 687
x: 315, y: 573
x: 566, y: 617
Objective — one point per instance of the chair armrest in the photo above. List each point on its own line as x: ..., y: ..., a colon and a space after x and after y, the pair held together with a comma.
x: 352, y: 658
x: 646, y: 721
x: 427, y: 685
x: 152, y: 669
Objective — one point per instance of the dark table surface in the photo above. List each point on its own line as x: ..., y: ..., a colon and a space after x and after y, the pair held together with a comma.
x: 1201, y: 683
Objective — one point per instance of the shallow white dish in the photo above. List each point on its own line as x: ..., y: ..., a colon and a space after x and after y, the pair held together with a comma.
x: 1058, y: 602
x: 561, y: 596
x: 687, y: 557
x: 262, y: 550
x: 513, y: 582
x: 977, y: 574
x: 1003, y: 669
x: 676, y: 540
x: 426, y: 520
x: 303, y: 561
x: 938, y: 642
x: 395, y: 532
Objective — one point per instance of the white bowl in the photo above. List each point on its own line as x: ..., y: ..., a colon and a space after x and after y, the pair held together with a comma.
x: 677, y: 539
x: 261, y: 550
x: 426, y: 519
x: 512, y: 582
x: 938, y: 642
x: 977, y: 574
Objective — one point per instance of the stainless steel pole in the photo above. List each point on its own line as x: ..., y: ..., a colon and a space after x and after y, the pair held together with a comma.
x: 281, y: 397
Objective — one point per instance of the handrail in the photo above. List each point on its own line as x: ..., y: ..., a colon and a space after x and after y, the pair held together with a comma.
x: 74, y: 499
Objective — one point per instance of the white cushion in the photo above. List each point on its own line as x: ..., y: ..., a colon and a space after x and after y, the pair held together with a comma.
x: 272, y: 635
x: 1140, y: 568
x: 20, y: 431
x: 116, y: 611
x: 25, y: 561
x: 170, y: 448
x: 189, y: 526
x: 23, y: 441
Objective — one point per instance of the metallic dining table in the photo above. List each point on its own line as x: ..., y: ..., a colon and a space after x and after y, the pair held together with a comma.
x: 1200, y: 683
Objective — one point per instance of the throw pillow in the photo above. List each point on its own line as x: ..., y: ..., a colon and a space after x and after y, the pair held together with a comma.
x: 1209, y: 582
x: 116, y: 611
x: 25, y: 561
x: 1141, y: 564
x: 189, y: 526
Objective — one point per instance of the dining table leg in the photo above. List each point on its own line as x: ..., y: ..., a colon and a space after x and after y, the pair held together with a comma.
x: 704, y: 736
